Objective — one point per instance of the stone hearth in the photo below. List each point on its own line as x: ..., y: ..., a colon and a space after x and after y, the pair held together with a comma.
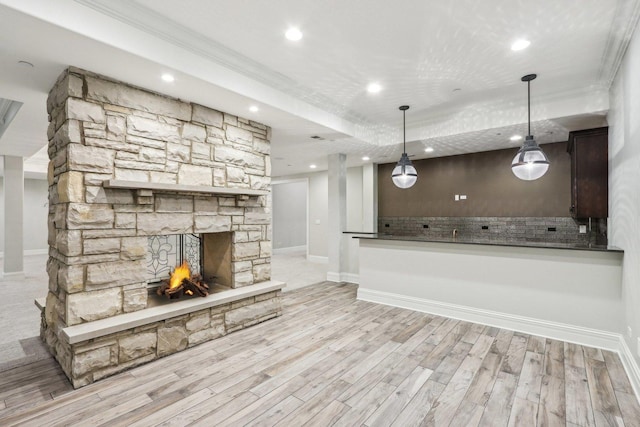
x: 127, y: 164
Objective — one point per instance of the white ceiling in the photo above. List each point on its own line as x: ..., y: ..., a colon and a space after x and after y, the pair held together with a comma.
x: 230, y: 55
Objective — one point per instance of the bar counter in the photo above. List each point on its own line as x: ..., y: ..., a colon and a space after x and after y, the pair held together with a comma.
x: 563, y: 291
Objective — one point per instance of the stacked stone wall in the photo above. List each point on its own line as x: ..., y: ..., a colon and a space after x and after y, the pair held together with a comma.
x: 98, y: 358
x: 101, y: 129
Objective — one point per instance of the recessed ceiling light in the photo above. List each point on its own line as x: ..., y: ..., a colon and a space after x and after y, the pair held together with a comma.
x: 293, y: 34
x: 374, y: 88
x: 520, y: 44
x: 168, y: 78
x: 515, y: 138
x: 428, y: 150
x: 253, y: 109
x: 312, y: 166
x: 365, y: 158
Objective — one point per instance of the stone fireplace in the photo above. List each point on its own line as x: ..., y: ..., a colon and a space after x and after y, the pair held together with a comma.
x: 128, y: 165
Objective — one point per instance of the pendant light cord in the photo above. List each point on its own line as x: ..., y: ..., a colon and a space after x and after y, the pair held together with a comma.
x: 404, y: 132
x: 529, y: 104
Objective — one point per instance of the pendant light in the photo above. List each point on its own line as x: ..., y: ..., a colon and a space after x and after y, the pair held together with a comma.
x: 530, y: 163
x: 404, y: 175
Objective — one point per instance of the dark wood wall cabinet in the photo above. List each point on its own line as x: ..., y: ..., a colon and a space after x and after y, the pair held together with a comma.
x: 589, y: 151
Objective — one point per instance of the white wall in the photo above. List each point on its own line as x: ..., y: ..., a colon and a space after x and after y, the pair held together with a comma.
x: 36, y: 197
x: 318, y: 206
x: 354, y: 199
x: 624, y: 185
x: 289, y: 202
x: 318, y: 214
x: 318, y: 200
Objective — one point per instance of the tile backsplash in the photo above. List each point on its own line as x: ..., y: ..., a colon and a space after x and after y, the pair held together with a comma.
x: 508, y: 229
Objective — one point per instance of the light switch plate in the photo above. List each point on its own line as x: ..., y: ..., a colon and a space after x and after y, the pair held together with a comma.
x: 456, y: 197
x: 463, y: 197
x: 583, y: 229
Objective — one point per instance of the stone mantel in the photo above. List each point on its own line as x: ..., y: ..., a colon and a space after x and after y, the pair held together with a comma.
x: 179, y: 188
x: 110, y: 325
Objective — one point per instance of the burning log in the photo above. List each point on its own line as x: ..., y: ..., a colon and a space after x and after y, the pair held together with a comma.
x: 182, y: 283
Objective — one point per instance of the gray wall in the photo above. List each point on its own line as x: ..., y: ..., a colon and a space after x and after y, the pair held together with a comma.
x: 289, y: 201
x: 486, y: 179
x: 36, y: 195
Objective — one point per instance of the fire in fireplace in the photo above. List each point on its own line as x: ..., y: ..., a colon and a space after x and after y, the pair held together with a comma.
x: 165, y: 252
x: 181, y: 283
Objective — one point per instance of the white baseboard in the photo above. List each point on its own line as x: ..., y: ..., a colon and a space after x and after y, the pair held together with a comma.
x: 560, y: 331
x: 332, y: 276
x: 28, y: 252
x: 12, y: 276
x: 290, y: 249
x: 630, y: 365
x: 36, y: 252
x: 318, y: 259
x: 351, y: 278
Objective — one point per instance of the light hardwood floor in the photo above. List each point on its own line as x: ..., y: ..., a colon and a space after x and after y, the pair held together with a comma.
x: 333, y: 360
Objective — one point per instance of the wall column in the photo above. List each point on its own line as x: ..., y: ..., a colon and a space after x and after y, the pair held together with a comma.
x: 370, y: 198
x: 337, y: 216
x: 13, y: 216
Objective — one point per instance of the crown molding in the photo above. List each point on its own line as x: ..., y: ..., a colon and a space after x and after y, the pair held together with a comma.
x: 161, y: 27
x: 623, y: 25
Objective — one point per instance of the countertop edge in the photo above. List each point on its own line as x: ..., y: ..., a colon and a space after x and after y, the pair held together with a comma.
x: 533, y: 245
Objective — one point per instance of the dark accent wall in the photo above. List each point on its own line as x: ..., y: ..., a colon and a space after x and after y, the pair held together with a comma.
x: 486, y: 179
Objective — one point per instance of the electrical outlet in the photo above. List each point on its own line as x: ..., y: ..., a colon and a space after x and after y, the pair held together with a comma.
x: 629, y: 332
x: 463, y: 197
x: 583, y: 229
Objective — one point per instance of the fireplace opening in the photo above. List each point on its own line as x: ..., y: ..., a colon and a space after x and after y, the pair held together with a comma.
x: 165, y: 253
x: 182, y: 283
x: 180, y: 265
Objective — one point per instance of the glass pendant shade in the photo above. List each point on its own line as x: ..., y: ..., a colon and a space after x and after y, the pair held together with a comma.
x: 530, y: 163
x: 404, y: 175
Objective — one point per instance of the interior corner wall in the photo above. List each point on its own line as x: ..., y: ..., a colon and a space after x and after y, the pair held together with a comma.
x: 318, y: 206
x: 289, y: 201
x: 36, y: 196
x: 486, y: 179
x: 624, y: 185
x: 317, y: 214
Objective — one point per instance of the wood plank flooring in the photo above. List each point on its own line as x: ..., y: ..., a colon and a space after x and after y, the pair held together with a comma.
x: 333, y: 360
